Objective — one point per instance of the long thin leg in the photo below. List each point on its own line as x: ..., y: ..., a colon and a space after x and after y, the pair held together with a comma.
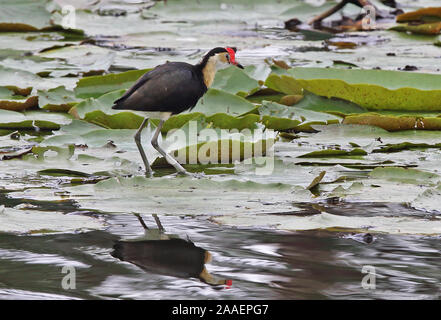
x: 141, y: 221
x: 148, y: 169
x: 167, y: 157
x: 158, y: 222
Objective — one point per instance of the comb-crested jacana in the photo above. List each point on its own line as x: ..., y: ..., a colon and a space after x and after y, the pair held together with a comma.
x: 172, y: 88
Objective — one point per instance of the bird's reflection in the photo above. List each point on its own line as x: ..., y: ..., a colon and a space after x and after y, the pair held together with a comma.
x: 166, y: 254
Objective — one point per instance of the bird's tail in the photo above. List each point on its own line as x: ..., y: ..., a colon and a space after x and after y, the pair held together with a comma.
x: 117, y: 106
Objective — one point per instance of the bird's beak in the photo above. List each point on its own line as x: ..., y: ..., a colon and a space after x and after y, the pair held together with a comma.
x: 239, y: 65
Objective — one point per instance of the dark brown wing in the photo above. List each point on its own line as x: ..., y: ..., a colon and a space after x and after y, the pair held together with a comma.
x: 171, y: 87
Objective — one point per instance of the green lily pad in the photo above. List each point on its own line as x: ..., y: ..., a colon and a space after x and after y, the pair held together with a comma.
x: 217, y: 101
x: 334, y: 153
x: 371, y: 89
x: 34, y: 120
x: 57, y: 99
x: 395, y: 123
x: 10, y: 101
x: 332, y: 222
x: 279, y: 117
x: 338, y: 107
x: 32, y: 221
x: 236, y: 81
x: 433, y: 28
x: 428, y: 200
x: 165, y: 195
x: 26, y: 15
x: 284, y: 83
x: 405, y: 175
x: 96, y: 86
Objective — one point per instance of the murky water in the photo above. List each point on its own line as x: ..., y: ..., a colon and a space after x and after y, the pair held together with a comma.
x: 262, y: 264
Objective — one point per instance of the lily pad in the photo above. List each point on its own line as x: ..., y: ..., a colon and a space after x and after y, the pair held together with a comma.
x: 395, y: 123
x: 10, y: 101
x: 32, y: 221
x: 57, y: 99
x: 95, y: 86
x: 405, y: 175
x: 235, y: 81
x: 279, y: 117
x: 371, y: 89
x: 327, y: 221
x: 165, y: 196
x: 34, y: 120
x: 26, y: 15
x: 217, y: 101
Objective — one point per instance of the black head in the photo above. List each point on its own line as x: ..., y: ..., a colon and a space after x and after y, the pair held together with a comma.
x: 230, y: 55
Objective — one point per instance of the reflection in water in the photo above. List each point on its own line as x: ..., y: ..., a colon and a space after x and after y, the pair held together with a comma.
x: 263, y: 264
x: 166, y: 254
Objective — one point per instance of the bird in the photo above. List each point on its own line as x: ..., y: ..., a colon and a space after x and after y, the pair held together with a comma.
x: 166, y: 254
x: 171, y: 88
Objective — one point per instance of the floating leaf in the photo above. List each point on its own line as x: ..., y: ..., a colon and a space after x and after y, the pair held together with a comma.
x: 96, y: 86
x: 32, y: 221
x: 25, y: 15
x: 236, y: 81
x: 372, y: 89
x: 316, y: 180
x: 57, y: 99
x: 217, y: 101
x: 208, y: 196
x: 35, y: 120
x: 395, y: 123
x: 423, y: 14
x: 405, y: 175
x: 332, y: 222
x: 425, y: 28
x: 284, y: 84
x: 9, y: 101
x: 279, y: 117
x: 334, y: 153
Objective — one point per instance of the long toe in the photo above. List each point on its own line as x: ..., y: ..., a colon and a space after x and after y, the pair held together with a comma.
x: 148, y: 173
x: 197, y: 175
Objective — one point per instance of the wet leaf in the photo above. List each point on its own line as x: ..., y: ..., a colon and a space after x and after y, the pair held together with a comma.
x: 25, y: 15
x: 32, y: 221
x: 425, y: 28
x: 57, y: 99
x: 316, y: 180
x: 129, y: 195
x: 371, y: 89
x: 327, y: 221
x: 279, y: 117
x: 284, y: 84
x: 405, y: 175
x: 395, y: 123
x: 236, y: 81
x: 96, y: 86
x: 10, y: 101
x: 424, y: 14
x: 334, y: 153
x: 217, y: 101
x: 34, y: 120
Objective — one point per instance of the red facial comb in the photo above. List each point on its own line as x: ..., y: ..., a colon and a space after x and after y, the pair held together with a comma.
x: 232, y: 54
